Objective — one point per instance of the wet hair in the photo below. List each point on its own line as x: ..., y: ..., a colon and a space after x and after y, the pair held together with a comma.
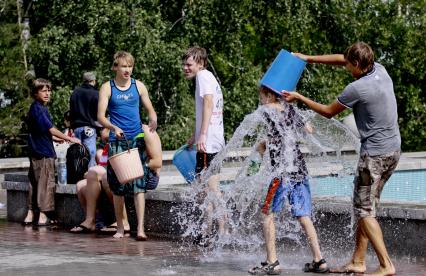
x: 267, y: 91
x: 199, y: 55
x: 39, y: 84
x: 361, y: 55
x: 122, y: 55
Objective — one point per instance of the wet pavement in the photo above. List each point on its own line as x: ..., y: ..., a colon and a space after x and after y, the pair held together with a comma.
x: 44, y: 251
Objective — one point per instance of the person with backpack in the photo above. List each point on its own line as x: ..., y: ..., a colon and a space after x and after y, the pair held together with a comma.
x: 83, y: 113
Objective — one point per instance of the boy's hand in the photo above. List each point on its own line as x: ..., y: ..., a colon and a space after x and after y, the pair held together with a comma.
x: 152, y: 125
x: 190, y: 142
x: 201, y: 143
x: 301, y: 56
x: 74, y: 140
x: 118, y: 132
x: 290, y: 96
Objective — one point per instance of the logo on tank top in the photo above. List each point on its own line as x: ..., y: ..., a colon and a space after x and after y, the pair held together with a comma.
x: 125, y: 97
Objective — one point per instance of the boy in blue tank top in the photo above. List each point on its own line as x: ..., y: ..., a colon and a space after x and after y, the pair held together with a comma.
x: 122, y: 96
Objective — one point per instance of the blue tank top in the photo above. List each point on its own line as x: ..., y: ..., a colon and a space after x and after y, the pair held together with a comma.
x: 123, y: 109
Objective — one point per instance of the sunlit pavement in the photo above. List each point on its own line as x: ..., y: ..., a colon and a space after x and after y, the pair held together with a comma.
x: 43, y: 251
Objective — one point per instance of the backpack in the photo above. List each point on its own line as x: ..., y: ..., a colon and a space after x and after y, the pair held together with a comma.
x: 78, y: 158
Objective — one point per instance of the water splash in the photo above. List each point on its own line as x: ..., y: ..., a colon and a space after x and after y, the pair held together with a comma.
x: 242, y: 187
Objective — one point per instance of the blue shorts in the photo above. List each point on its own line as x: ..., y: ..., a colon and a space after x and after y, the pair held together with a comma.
x: 297, y: 193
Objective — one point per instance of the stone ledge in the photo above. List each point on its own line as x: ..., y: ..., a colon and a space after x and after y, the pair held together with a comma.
x: 335, y: 205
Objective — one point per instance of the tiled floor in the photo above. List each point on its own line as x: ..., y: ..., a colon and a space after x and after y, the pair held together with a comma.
x: 43, y: 251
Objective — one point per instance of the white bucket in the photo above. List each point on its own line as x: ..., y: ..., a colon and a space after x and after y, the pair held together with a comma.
x: 127, y: 165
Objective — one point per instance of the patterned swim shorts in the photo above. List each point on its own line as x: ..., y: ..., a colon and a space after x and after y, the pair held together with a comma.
x: 371, y: 176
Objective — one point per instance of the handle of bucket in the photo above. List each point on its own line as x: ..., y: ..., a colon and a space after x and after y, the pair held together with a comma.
x: 127, y: 141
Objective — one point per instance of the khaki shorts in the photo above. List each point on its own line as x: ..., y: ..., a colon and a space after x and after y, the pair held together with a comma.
x: 42, y: 184
x: 371, y: 176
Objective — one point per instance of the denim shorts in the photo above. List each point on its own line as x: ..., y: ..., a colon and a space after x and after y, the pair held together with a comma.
x: 371, y: 176
x: 298, y: 195
x: 87, y: 136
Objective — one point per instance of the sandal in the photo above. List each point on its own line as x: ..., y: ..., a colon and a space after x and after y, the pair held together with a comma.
x: 315, y: 267
x: 266, y: 269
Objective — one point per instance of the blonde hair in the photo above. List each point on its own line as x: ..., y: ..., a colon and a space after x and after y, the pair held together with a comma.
x: 122, y: 55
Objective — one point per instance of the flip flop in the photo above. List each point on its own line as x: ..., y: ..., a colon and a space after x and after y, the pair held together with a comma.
x: 315, y: 267
x: 26, y: 223
x: 81, y: 229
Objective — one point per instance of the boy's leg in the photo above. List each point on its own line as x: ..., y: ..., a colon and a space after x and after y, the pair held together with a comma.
x: 269, y: 235
x: 140, y: 212
x: 106, y: 188
x: 32, y: 195
x: 311, y: 234
x: 118, y: 210
x: 91, y: 195
x: 372, y: 230
x: 44, y: 170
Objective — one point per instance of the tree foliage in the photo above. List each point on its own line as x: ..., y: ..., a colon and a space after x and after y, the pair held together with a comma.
x: 242, y: 38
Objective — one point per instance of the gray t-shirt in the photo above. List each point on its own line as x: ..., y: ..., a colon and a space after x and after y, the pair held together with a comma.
x: 374, y: 106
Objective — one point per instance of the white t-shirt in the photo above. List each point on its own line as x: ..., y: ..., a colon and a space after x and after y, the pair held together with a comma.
x: 206, y: 84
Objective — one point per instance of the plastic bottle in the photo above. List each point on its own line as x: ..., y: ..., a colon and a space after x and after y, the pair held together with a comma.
x: 62, y: 171
x: 254, y: 166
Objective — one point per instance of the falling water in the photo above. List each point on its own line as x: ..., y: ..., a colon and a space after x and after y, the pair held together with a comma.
x: 243, y: 186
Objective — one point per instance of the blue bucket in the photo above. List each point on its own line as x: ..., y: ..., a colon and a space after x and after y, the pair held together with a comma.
x: 185, y: 161
x: 284, y: 72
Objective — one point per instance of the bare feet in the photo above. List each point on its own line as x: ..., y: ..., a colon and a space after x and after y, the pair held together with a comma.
x: 141, y: 236
x: 383, y: 271
x: 118, y: 235
x: 42, y: 219
x: 350, y: 268
x: 29, y: 218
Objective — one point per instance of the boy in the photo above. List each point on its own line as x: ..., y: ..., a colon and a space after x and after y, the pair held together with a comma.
x: 209, y: 133
x: 89, y: 189
x: 42, y: 155
x: 290, y: 180
x: 373, y: 101
x: 122, y: 96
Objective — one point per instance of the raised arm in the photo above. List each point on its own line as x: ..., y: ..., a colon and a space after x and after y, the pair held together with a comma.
x: 146, y: 101
x: 324, y: 110
x: 334, y: 59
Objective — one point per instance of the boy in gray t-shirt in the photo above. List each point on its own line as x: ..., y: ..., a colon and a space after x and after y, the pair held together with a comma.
x: 372, y: 98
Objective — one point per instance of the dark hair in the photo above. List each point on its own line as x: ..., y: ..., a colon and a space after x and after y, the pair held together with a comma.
x: 361, y: 55
x: 67, y: 115
x: 38, y: 84
x: 199, y: 55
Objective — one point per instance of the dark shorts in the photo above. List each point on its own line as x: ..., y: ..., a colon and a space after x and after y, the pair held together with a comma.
x: 203, y: 161
x: 371, y: 176
x: 136, y: 186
